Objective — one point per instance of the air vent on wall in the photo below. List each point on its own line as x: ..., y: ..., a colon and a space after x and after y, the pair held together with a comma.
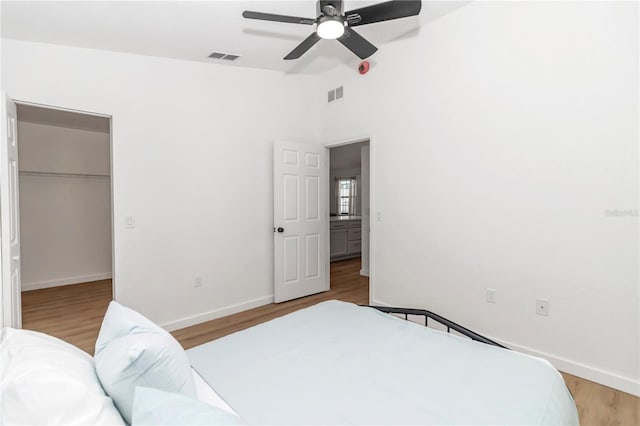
x: 225, y: 56
x: 335, y: 94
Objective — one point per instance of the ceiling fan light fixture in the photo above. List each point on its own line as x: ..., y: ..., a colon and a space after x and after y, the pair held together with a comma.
x: 330, y: 28
x: 334, y: 23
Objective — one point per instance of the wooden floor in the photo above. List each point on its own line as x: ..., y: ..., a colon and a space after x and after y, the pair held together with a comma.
x: 74, y: 313
x: 602, y: 405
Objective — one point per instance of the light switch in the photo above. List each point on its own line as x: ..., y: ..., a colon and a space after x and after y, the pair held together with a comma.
x: 131, y: 222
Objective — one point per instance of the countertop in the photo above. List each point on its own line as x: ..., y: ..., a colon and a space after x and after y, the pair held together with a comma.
x: 343, y: 217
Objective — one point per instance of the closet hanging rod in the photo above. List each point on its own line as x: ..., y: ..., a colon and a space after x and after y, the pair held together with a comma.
x: 61, y: 174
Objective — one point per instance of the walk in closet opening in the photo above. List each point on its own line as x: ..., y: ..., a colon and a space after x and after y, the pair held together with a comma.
x: 64, y: 162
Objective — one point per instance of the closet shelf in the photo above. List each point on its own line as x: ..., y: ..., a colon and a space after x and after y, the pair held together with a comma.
x: 61, y: 174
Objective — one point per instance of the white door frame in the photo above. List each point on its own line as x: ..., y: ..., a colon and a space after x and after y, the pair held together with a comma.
x: 372, y: 227
x: 6, y: 291
x: 9, y: 219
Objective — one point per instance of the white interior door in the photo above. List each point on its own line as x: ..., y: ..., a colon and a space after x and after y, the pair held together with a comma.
x: 10, y: 217
x: 300, y: 185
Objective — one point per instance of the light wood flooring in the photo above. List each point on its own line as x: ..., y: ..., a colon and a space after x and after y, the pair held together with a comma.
x: 74, y: 313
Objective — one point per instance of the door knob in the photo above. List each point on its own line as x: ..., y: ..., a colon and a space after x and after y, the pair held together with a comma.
x: 280, y: 229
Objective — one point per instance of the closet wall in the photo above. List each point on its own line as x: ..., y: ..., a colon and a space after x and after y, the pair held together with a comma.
x: 65, y: 197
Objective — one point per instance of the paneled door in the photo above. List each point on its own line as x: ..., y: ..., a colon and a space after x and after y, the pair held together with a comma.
x: 10, y: 217
x: 300, y: 227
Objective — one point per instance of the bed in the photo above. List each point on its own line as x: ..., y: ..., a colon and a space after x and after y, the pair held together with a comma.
x: 338, y: 363
x: 332, y: 363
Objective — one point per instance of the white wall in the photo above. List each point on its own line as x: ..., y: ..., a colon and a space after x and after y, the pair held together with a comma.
x: 192, y: 161
x: 502, y: 133
x: 65, y: 221
x: 62, y: 149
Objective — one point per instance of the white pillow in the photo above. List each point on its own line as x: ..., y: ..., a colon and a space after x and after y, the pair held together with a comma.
x: 47, y: 381
x: 132, y: 351
x: 156, y: 407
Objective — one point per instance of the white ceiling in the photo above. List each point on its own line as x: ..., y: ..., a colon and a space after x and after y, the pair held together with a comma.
x: 192, y: 30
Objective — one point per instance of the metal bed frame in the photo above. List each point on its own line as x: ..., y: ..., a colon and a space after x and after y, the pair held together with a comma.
x: 430, y: 315
x: 442, y: 320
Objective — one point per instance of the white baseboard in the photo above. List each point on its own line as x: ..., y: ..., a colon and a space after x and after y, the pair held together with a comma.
x: 364, y: 272
x: 606, y: 378
x: 217, y: 313
x: 66, y: 281
x: 588, y: 372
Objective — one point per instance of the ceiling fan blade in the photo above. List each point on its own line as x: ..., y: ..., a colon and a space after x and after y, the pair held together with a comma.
x: 306, y: 44
x: 383, y: 12
x: 357, y: 44
x: 277, y: 18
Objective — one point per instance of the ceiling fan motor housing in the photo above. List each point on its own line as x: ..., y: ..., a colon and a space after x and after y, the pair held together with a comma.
x: 328, y: 9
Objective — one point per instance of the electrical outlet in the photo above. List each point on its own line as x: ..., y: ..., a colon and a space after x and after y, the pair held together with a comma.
x: 491, y: 295
x: 542, y: 307
x: 197, y: 281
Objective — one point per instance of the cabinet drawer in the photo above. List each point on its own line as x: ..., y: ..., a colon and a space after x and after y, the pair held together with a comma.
x: 355, y: 224
x: 354, y: 247
x: 355, y: 234
x: 339, y: 224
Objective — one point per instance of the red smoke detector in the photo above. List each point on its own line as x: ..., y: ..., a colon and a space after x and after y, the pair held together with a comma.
x: 363, y: 67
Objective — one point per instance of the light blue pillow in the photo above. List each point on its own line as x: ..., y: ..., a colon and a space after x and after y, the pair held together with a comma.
x: 132, y: 351
x: 156, y: 407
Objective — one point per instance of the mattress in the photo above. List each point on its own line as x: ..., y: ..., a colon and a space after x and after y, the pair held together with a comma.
x: 339, y: 363
x: 206, y: 394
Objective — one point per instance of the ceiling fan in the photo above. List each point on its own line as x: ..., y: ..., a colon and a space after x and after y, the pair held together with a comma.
x: 332, y: 23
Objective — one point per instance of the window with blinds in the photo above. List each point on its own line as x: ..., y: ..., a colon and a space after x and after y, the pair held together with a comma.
x: 347, y: 196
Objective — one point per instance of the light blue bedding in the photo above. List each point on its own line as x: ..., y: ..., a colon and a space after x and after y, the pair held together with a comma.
x: 338, y: 363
